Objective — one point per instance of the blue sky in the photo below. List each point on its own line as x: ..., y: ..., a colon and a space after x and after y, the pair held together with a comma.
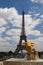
x: 11, y: 20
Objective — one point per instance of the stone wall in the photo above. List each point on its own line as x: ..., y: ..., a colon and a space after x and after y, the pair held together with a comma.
x: 22, y: 63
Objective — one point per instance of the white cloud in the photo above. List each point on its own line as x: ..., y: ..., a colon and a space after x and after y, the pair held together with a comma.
x: 41, y: 16
x: 3, y: 42
x: 8, y: 13
x: 2, y: 22
x: 31, y: 23
x: 13, y: 32
x: 2, y: 29
x: 39, y: 43
x: 34, y: 32
x: 7, y: 38
x: 17, y: 21
x: 5, y: 45
x: 37, y: 1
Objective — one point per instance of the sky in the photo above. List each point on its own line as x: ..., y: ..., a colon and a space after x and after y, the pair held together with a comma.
x: 11, y: 23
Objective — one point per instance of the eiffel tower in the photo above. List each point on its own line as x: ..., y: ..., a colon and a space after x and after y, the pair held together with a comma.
x: 21, y: 47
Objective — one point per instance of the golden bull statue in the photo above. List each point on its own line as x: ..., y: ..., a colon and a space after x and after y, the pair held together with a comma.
x: 31, y: 53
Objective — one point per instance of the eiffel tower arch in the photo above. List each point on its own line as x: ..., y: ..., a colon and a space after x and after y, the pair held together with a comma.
x: 21, y: 47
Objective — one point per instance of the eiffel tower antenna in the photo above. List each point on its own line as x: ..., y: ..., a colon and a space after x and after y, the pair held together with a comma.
x: 21, y: 47
x: 23, y: 24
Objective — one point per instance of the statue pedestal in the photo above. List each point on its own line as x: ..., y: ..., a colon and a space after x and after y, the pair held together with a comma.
x: 32, y: 57
x: 17, y: 61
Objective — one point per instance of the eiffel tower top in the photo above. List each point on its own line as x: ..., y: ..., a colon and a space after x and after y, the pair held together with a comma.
x: 23, y: 24
x: 23, y: 12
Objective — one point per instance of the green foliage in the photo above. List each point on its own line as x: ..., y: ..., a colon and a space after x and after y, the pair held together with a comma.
x: 5, y: 54
x: 10, y: 53
x: 40, y: 53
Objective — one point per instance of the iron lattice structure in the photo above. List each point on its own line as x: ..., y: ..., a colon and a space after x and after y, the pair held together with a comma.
x: 21, y: 47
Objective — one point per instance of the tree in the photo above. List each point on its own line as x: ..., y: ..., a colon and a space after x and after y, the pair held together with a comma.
x: 10, y: 53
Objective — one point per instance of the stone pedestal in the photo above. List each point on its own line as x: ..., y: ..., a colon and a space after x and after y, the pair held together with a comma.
x: 14, y: 61
x: 31, y: 57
